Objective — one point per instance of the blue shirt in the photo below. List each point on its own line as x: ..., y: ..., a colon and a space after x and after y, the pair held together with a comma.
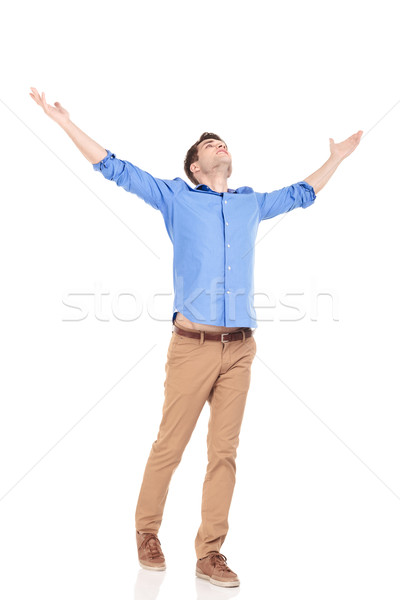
x: 213, y: 236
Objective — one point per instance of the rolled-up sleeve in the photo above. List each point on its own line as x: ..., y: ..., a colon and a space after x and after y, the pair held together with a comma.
x: 280, y: 201
x: 156, y: 192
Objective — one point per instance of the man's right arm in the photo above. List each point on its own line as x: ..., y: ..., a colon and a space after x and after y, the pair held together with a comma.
x: 156, y: 192
x: 89, y: 148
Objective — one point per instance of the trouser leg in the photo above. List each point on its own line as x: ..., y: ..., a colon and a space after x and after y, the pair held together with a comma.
x: 191, y: 370
x: 227, y: 403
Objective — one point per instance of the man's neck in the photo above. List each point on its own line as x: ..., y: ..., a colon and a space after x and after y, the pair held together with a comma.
x: 217, y: 183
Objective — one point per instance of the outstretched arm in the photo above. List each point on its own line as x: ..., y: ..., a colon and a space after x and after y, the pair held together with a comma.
x: 338, y: 153
x: 156, y: 192
x: 89, y: 148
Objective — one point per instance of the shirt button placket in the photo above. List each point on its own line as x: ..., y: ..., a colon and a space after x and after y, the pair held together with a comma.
x: 228, y: 245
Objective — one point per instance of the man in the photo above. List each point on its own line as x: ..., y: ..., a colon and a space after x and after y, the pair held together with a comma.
x: 213, y: 230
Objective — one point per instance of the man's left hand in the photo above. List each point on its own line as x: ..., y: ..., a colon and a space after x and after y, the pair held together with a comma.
x: 343, y: 149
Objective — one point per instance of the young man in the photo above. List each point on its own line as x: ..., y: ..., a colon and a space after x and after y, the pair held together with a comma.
x: 213, y: 229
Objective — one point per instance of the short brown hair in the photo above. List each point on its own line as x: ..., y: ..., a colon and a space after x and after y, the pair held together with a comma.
x: 192, y: 154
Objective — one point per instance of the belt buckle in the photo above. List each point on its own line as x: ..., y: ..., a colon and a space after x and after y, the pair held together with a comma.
x: 222, y: 337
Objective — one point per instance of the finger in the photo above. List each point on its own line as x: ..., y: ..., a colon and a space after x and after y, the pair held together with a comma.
x: 35, y: 93
x: 35, y: 99
x: 38, y: 99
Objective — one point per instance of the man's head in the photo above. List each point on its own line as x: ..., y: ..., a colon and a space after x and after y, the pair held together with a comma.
x: 206, y: 156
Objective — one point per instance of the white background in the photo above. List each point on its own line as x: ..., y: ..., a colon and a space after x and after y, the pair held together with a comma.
x: 315, y: 513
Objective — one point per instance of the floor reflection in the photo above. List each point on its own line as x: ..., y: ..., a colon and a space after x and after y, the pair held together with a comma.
x: 148, y: 585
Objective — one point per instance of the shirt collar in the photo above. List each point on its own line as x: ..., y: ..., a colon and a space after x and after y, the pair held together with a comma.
x: 206, y: 187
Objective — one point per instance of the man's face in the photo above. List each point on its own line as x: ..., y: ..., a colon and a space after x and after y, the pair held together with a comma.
x: 213, y: 157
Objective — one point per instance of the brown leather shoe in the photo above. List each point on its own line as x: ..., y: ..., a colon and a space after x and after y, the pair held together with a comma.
x: 214, y: 568
x: 149, y: 552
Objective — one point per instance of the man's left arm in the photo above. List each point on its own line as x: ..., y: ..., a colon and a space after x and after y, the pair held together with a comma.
x: 339, y: 152
x: 303, y: 192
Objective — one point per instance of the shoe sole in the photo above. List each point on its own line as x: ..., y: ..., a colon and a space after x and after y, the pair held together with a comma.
x: 216, y: 581
x: 159, y: 568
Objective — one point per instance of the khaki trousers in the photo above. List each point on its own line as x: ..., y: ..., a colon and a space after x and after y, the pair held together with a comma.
x: 197, y: 372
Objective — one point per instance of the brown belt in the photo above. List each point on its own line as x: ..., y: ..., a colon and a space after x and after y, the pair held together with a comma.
x: 216, y: 337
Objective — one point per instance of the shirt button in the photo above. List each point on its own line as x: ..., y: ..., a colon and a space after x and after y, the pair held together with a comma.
x: 226, y: 201
x: 226, y: 223
x: 229, y: 267
x: 228, y: 291
x: 229, y: 245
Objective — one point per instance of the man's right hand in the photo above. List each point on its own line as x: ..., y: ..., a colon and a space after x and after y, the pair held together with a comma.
x: 56, y: 112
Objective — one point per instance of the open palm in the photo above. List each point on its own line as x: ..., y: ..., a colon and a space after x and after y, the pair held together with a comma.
x: 56, y: 112
x: 343, y: 149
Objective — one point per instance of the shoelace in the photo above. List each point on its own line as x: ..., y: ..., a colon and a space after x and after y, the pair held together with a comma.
x: 219, y: 560
x: 154, y: 547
